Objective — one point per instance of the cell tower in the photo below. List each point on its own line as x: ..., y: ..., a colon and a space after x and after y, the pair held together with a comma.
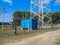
x: 41, y: 8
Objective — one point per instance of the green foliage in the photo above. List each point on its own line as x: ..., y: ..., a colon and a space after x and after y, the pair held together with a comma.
x: 19, y: 15
x: 56, y: 17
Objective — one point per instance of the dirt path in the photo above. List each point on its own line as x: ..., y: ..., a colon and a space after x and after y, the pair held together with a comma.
x: 49, y: 38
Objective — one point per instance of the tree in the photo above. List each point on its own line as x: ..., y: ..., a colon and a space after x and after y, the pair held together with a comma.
x: 19, y: 15
x: 56, y: 17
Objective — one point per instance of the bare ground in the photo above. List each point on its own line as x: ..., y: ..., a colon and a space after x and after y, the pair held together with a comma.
x: 49, y: 38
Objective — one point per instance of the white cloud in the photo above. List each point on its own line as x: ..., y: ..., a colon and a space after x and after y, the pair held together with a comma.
x: 8, y: 1
x: 57, y: 2
x: 46, y: 1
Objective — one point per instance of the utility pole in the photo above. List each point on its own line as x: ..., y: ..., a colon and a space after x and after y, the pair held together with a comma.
x: 3, y: 11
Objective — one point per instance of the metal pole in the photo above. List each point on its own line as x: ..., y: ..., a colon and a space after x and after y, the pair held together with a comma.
x: 3, y: 11
x: 39, y: 14
x: 2, y: 20
x: 2, y: 17
x: 42, y: 14
x: 28, y: 27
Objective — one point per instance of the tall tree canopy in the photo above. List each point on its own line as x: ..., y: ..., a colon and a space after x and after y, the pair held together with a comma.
x: 19, y: 15
x: 56, y: 17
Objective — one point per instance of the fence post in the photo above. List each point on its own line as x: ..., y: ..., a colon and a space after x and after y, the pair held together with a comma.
x: 21, y: 28
x: 15, y: 28
x: 24, y: 27
x: 28, y: 27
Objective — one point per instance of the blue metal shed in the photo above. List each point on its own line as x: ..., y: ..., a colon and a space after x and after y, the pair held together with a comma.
x: 32, y: 22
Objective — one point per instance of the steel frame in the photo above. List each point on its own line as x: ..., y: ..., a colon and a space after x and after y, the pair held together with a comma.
x: 43, y: 6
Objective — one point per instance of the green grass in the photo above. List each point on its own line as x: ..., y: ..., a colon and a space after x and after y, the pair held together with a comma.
x: 8, y: 35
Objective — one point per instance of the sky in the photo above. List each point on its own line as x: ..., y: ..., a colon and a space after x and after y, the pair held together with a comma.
x: 22, y: 5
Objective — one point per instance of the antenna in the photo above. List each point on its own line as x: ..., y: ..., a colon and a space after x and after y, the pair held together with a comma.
x: 3, y: 11
x: 39, y: 7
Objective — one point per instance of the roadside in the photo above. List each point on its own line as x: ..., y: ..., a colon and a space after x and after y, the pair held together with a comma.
x: 49, y: 38
x: 9, y: 36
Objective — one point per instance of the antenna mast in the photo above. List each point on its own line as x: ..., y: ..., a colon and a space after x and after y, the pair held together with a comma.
x: 41, y: 8
x: 3, y: 11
